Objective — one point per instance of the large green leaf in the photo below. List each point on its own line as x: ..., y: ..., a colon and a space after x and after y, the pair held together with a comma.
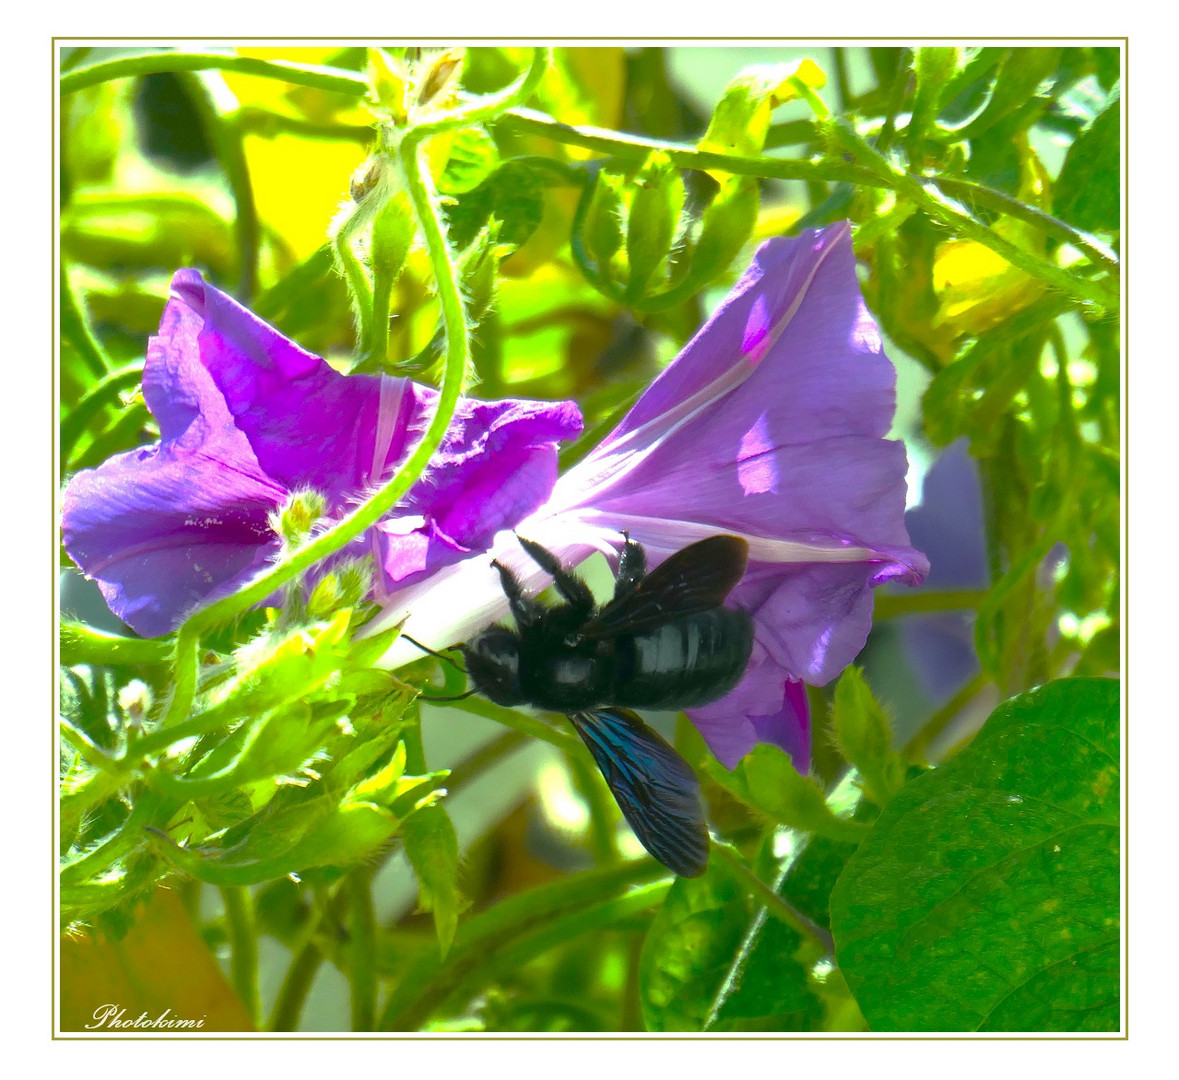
x: 987, y: 896
x: 689, y: 948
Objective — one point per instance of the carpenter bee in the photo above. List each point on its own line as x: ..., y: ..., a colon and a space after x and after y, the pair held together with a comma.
x: 664, y: 641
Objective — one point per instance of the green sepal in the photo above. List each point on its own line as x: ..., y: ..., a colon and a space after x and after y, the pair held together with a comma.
x: 1088, y: 190
x: 602, y: 228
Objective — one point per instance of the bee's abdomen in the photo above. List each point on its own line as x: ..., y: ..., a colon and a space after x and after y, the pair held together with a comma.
x: 688, y: 662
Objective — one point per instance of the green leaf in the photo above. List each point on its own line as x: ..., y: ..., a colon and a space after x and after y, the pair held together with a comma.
x: 741, y: 119
x: 432, y: 847
x: 513, y: 194
x: 1088, y: 190
x: 473, y: 157
x: 689, y: 948
x: 771, y: 983
x: 987, y: 896
x: 771, y: 991
x: 1016, y: 85
x: 767, y: 780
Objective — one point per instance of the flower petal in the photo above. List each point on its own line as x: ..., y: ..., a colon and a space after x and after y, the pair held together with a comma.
x: 792, y: 451
x: 342, y: 434
x: 165, y: 528
x: 308, y: 425
x: 763, y: 707
x: 811, y: 620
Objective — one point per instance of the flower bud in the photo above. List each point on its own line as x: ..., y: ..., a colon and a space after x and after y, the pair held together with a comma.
x: 135, y: 701
x: 389, y: 82
x: 344, y: 586
x: 602, y: 227
x: 725, y: 226
x: 304, y: 508
x: 655, y: 209
x: 393, y: 235
x: 438, y: 77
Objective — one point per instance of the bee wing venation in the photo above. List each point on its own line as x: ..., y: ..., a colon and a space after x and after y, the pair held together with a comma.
x: 656, y: 790
x: 694, y: 579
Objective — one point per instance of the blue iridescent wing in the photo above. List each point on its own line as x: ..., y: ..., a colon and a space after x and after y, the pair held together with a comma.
x: 654, y: 787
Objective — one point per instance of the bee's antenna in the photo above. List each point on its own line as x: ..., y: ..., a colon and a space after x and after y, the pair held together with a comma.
x: 457, y: 697
x: 441, y: 656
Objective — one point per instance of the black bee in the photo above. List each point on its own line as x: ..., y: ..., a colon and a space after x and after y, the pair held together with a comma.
x: 664, y: 641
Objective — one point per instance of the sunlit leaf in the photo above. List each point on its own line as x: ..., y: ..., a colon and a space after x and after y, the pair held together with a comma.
x: 987, y: 896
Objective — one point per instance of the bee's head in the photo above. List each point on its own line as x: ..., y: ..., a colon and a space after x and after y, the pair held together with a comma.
x: 493, y: 663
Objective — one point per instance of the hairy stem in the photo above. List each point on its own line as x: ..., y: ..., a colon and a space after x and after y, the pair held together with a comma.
x: 125, y: 67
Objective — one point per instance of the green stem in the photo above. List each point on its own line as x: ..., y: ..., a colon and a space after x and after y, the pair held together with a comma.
x: 486, y: 757
x: 358, y: 283
x: 243, y: 938
x: 915, y: 749
x: 75, y: 327
x: 202, y: 723
x: 220, y: 123
x: 124, y: 67
x: 147, y: 809
x: 292, y: 995
x: 89, y: 751
x: 411, y: 738
x: 81, y: 644
x: 684, y: 156
x: 896, y: 98
x: 386, y: 497
x: 601, y: 807
x: 425, y: 983
x: 503, y: 962
x: 532, y: 726
x: 890, y: 605
x: 631, y: 1013
x: 362, y: 948
x: 929, y: 198
x: 256, y: 120
x: 780, y: 908
x: 992, y: 199
x: 842, y: 82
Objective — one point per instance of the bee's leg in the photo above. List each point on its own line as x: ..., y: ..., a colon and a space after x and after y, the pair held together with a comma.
x: 632, y: 566
x: 525, y: 611
x: 575, y: 591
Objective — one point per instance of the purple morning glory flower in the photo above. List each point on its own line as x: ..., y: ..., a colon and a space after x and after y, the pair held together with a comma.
x: 769, y: 425
x: 247, y: 418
